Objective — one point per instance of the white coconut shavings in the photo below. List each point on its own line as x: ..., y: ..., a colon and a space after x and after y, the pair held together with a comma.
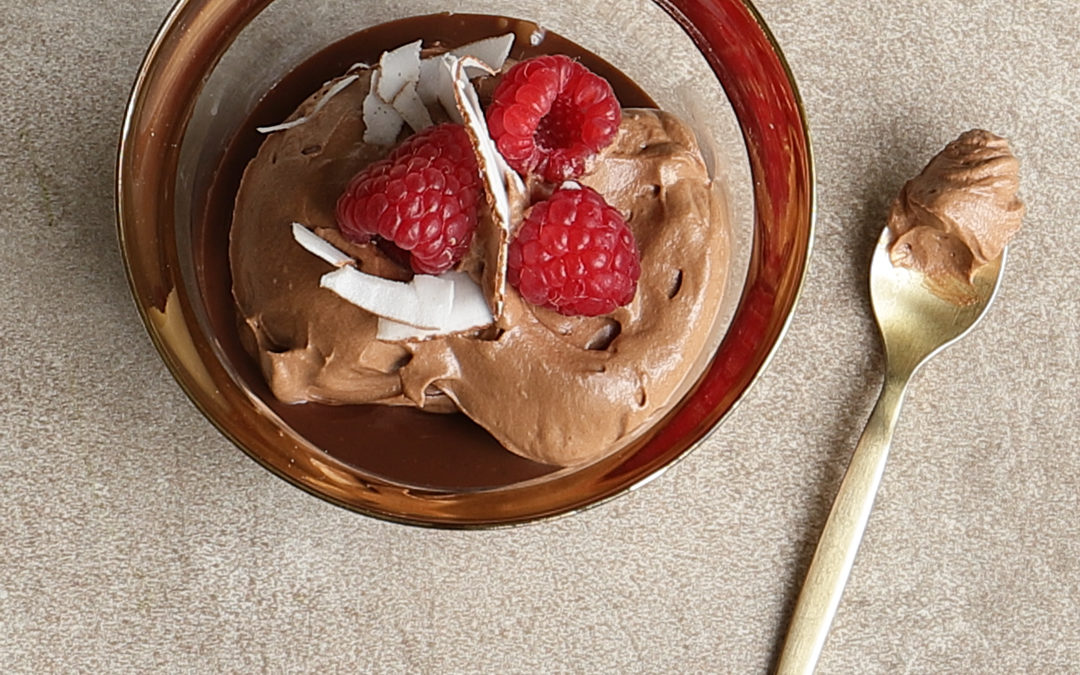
x: 382, y: 122
x: 398, y: 67
x: 316, y: 245
x: 468, y: 104
x: 424, y: 307
x: 397, y: 95
x: 338, y: 87
x: 499, y: 179
x: 402, y: 87
x: 469, y: 311
x: 408, y: 84
x: 430, y: 78
x: 424, y: 302
x: 445, y: 89
x: 492, y: 51
x: 411, y: 107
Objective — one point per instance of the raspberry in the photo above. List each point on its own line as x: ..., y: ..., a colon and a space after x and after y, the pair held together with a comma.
x: 550, y: 114
x: 575, y: 254
x: 421, y: 199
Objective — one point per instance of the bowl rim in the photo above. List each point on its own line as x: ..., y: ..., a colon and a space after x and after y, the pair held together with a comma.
x: 167, y: 314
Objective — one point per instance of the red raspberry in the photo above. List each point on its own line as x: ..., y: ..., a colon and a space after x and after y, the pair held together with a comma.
x: 422, y: 199
x: 550, y: 114
x: 575, y: 254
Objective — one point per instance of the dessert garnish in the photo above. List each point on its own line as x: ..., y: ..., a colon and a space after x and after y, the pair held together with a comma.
x: 419, y: 204
x: 958, y: 214
x: 575, y: 254
x: 442, y: 304
x: 550, y: 115
x: 401, y: 82
x: 421, y: 199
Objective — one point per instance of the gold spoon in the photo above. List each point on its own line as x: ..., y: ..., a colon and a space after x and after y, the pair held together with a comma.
x: 915, y: 324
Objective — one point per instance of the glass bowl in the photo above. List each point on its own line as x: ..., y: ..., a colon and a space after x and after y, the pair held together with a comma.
x: 713, y: 62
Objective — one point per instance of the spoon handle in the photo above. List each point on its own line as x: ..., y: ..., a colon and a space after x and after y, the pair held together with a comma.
x: 840, y: 538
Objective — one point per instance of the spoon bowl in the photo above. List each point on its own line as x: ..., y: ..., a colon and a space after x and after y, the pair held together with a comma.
x: 915, y: 324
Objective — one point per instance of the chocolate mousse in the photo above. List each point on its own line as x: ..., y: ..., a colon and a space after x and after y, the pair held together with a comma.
x: 562, y: 390
x: 958, y: 213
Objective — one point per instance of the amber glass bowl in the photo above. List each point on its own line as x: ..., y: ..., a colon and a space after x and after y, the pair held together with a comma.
x: 713, y: 62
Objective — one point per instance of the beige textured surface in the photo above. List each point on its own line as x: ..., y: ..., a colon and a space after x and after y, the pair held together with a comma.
x: 134, y: 538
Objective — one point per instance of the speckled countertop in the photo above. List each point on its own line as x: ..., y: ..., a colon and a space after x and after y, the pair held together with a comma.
x: 134, y: 538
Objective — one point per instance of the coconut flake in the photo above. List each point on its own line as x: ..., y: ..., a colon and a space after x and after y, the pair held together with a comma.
x: 499, y: 179
x: 469, y: 311
x: 338, y: 87
x: 431, y: 75
x: 445, y: 88
x: 470, y: 308
x: 435, y: 295
x: 316, y: 245
x: 405, y: 82
x: 468, y: 105
x: 434, y: 78
x: 425, y: 306
x: 425, y: 303
x: 411, y: 108
x: 492, y: 51
x: 389, y: 330
x: 382, y: 121
x: 487, y: 144
x: 397, y: 68
x: 284, y: 126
